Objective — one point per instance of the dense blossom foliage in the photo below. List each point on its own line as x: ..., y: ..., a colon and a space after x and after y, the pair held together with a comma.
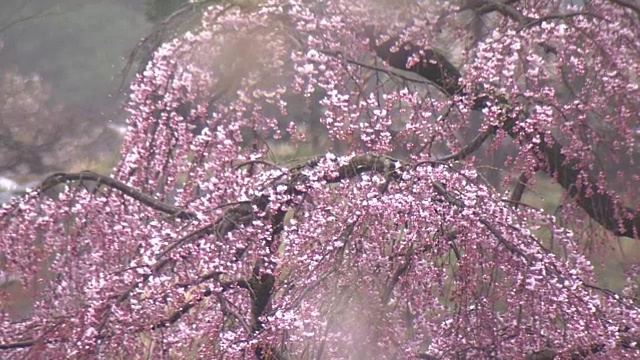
x: 203, y: 243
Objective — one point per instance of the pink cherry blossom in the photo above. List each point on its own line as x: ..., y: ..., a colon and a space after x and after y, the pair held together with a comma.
x: 297, y: 182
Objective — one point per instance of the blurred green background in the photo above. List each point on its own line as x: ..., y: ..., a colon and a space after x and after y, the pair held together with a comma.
x: 62, y: 78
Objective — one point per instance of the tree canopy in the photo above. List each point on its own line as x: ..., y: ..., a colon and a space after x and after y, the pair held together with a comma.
x: 208, y: 241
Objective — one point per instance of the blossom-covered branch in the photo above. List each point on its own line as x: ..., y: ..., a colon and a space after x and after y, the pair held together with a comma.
x: 202, y: 242
x: 570, y: 174
x: 260, y: 286
x: 61, y: 178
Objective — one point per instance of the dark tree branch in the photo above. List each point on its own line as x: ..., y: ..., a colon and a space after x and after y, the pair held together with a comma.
x: 401, y: 270
x: 600, y: 206
x: 468, y: 149
x: 613, y: 216
x: 226, y: 309
x: 431, y: 64
x: 237, y: 215
x: 60, y: 178
x: 185, y: 308
x: 243, y: 212
x: 260, y: 291
x: 451, y: 199
x: 18, y: 345
x: 519, y: 189
x: 482, y: 7
x: 383, y: 165
x: 266, y: 351
x: 390, y: 72
x: 157, y: 267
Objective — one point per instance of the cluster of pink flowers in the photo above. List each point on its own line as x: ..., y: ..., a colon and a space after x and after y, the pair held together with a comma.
x: 373, y: 246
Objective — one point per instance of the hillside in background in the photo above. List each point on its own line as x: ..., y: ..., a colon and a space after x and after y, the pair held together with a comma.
x: 61, y: 68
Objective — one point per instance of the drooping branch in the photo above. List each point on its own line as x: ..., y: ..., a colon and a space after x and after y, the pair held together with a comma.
x: 186, y: 307
x: 143, y: 51
x: 61, y: 178
x: 18, y: 345
x: 506, y: 9
x: 261, y: 285
x: 602, y: 207
x: 451, y: 199
x: 401, y: 270
x: 432, y: 65
x: 468, y: 149
x: 598, y: 204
